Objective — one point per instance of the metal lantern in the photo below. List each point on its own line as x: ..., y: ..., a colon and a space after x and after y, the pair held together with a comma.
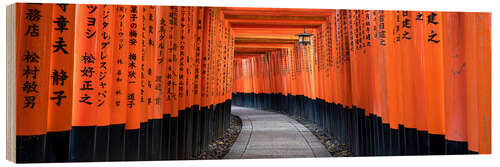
x: 304, y: 38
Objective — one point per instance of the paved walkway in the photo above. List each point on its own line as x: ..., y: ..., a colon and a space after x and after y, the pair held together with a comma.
x: 266, y: 134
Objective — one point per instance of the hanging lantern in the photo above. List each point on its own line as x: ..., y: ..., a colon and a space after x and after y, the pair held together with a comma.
x: 304, y: 38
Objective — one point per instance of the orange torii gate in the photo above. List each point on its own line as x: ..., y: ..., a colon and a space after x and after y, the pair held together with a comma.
x: 134, y: 82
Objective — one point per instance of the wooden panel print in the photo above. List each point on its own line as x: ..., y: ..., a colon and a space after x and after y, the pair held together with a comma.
x: 101, y: 82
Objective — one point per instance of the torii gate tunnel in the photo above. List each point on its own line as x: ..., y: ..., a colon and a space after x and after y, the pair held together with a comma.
x: 132, y: 82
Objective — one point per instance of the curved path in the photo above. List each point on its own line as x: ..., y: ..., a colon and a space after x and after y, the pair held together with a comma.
x: 266, y: 134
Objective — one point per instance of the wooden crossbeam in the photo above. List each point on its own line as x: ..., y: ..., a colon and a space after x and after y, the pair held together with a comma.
x: 276, y: 11
x: 273, y: 25
x: 263, y: 45
x: 265, y: 40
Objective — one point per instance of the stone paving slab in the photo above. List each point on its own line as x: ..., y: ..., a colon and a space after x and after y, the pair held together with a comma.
x: 266, y: 134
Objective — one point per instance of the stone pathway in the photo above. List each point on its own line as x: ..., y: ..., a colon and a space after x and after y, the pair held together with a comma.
x: 266, y: 134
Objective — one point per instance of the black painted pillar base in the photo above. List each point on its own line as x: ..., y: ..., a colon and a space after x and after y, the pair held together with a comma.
x: 456, y: 147
x: 101, y: 152
x: 165, y: 137
x: 437, y: 144
x: 143, y: 141
x: 423, y: 142
x: 30, y: 149
x: 411, y: 141
x: 117, y: 146
x: 57, y: 146
x: 82, y: 143
x: 132, y: 145
x: 156, y: 144
x: 173, y: 135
